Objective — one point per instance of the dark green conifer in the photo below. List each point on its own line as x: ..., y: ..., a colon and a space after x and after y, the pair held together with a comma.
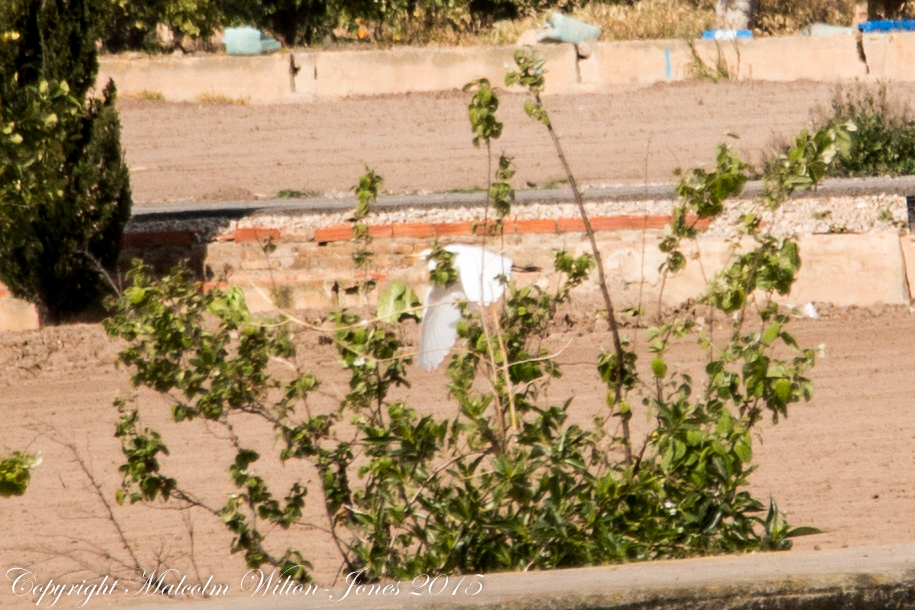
x: 64, y: 185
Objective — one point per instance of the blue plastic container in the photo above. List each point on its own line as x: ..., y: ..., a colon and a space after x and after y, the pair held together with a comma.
x: 568, y: 29
x: 726, y: 34
x: 886, y: 26
x: 248, y: 41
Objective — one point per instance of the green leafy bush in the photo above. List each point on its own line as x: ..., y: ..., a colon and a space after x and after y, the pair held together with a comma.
x: 293, y: 21
x: 882, y: 132
x: 507, y: 482
x: 128, y: 24
x: 885, y: 140
x: 787, y: 16
x: 132, y: 25
x: 64, y: 185
x: 15, y: 473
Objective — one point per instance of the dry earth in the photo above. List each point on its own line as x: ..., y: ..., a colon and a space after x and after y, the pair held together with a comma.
x: 844, y: 462
x: 187, y: 152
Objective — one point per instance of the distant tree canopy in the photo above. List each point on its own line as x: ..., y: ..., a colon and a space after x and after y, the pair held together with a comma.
x: 132, y: 25
x: 64, y: 186
x: 295, y: 22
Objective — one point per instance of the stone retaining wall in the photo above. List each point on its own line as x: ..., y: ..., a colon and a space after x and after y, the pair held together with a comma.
x: 337, y: 74
x: 311, y: 265
x: 843, y: 270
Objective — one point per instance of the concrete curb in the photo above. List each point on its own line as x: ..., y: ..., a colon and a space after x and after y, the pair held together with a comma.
x: 317, y: 273
x: 311, y: 263
x: 297, y: 76
x: 860, y: 578
x: 834, y: 187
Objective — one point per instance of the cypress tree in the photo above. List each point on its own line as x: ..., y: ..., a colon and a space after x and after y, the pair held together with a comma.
x: 64, y: 186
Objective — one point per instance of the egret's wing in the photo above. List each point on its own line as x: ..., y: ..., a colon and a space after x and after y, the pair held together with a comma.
x: 479, y: 270
x: 438, y: 330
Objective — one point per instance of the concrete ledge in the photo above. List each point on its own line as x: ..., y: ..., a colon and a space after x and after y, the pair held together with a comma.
x: 312, y: 267
x: 851, y: 579
x: 16, y: 314
x: 407, y: 70
x: 257, y: 80
x: 866, y: 270
x: 339, y: 74
x: 845, y: 270
x: 833, y: 187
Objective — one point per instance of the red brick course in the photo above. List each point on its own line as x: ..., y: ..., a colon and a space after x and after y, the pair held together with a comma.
x: 452, y: 229
x: 414, y: 229
x: 425, y: 230
x: 256, y: 234
x: 338, y: 233
x: 534, y: 226
x: 510, y: 227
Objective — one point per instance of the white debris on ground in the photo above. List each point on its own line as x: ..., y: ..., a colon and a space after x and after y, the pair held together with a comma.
x: 810, y: 311
x: 801, y: 216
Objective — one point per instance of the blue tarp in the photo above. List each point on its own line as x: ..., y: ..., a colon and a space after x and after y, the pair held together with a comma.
x: 248, y: 41
x: 568, y: 29
x: 887, y: 25
x: 726, y: 34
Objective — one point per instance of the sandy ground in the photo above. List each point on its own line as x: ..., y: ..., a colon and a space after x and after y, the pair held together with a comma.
x: 186, y: 152
x: 844, y: 462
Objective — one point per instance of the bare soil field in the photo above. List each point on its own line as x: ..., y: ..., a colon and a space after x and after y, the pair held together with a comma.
x: 845, y: 462
x: 191, y: 152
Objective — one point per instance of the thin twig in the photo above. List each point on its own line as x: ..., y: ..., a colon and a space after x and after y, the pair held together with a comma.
x: 101, y: 496
x: 644, y: 237
x: 493, y: 370
x: 189, y: 526
x: 505, y: 370
x: 435, y: 474
x: 101, y: 270
x: 601, y: 276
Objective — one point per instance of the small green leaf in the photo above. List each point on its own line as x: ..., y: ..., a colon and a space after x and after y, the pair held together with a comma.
x: 803, y: 531
x: 783, y: 390
x: 659, y: 368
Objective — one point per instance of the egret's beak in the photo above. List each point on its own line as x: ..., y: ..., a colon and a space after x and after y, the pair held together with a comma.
x: 418, y: 256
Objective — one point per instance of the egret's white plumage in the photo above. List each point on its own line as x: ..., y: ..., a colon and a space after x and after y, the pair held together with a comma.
x: 478, y: 272
x: 438, y: 330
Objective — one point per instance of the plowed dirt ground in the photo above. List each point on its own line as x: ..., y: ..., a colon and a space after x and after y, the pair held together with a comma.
x: 845, y: 462
x: 190, y: 152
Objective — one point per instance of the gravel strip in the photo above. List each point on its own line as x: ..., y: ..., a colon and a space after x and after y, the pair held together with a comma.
x: 800, y: 216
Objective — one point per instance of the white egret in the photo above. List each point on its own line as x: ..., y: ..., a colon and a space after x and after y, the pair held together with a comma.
x: 478, y: 283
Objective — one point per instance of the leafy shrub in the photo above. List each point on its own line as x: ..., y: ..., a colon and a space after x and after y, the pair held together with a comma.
x: 645, y: 19
x: 133, y: 25
x: 884, y: 143
x: 293, y: 21
x: 787, y: 16
x: 15, y: 473
x: 64, y: 185
x: 507, y: 482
